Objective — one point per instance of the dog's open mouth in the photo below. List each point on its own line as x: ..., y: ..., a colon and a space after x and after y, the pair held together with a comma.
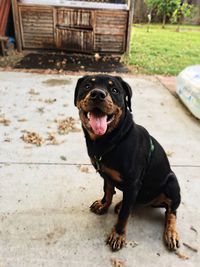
x: 99, y: 121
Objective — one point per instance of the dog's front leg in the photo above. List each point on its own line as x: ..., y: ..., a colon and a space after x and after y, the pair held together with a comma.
x: 117, y: 237
x: 101, y: 206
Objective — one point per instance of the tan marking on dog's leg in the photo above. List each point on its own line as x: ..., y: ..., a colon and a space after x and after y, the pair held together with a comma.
x: 161, y: 200
x: 171, y: 236
x: 118, y: 207
x: 115, y: 175
x: 115, y: 240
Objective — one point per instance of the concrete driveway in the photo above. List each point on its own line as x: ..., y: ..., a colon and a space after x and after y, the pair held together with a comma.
x: 46, y: 189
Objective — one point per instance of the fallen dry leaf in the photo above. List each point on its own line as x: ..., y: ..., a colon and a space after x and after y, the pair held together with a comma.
x: 52, y: 139
x: 117, y: 262
x: 133, y: 244
x: 8, y: 140
x: 5, y: 121
x: 63, y: 158
x: 22, y: 120
x: 84, y: 169
x: 50, y: 101
x: 190, y: 247
x: 32, y: 138
x: 40, y: 110
x: 33, y: 92
x: 169, y: 153
x: 194, y: 229
x: 181, y: 255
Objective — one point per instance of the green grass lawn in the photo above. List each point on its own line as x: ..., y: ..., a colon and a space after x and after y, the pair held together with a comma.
x: 164, y: 51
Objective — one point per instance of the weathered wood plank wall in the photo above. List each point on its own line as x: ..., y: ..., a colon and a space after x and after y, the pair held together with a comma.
x: 37, y: 27
x: 110, y: 31
x: 75, y: 29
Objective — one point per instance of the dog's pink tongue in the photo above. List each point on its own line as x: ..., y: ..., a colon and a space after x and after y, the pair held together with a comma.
x: 98, y: 124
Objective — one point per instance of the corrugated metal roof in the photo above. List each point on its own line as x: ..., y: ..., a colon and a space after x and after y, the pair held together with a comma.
x: 4, y: 12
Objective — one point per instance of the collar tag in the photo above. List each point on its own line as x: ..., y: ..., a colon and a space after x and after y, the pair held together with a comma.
x: 98, y: 163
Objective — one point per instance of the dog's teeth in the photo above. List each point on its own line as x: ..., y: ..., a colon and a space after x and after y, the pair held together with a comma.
x: 112, y: 118
x: 88, y: 115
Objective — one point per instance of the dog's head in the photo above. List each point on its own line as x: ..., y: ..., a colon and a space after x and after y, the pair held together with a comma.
x: 102, y: 101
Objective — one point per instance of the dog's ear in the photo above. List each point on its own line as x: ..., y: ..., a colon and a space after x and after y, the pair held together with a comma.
x: 127, y: 90
x: 80, y: 80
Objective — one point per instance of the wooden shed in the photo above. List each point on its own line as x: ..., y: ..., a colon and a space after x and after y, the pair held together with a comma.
x: 97, y: 26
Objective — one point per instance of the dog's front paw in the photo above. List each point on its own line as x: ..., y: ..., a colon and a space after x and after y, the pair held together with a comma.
x: 171, y: 238
x: 115, y: 240
x: 98, y: 207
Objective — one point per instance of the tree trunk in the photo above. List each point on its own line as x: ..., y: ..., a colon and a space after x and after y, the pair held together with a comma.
x: 164, y: 21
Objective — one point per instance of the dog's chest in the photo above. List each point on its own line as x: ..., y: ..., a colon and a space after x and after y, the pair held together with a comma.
x: 101, y: 167
x: 114, y: 175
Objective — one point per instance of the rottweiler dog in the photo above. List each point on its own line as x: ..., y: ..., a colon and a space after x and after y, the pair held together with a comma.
x: 125, y: 155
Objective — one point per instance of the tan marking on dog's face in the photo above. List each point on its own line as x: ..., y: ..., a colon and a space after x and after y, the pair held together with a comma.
x: 115, y: 122
x: 110, y: 82
x: 93, y: 79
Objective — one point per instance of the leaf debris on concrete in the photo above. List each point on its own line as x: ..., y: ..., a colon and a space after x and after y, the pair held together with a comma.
x: 52, y: 139
x: 4, y: 121
x: 32, y: 138
x: 40, y: 110
x: 33, y: 92
x: 182, y: 255
x: 169, y: 153
x: 67, y: 125
x: 50, y: 101
x: 63, y: 158
x: 133, y: 244
x: 194, y: 229
x: 84, y: 169
x: 190, y: 247
x: 22, y: 120
x: 117, y: 262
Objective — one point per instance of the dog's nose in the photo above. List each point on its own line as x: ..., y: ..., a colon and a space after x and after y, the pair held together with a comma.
x: 97, y: 94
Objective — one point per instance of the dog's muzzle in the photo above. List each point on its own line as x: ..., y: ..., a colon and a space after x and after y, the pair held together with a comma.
x: 98, y: 95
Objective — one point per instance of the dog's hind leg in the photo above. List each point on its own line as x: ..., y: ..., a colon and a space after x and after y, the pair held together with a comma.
x: 170, y: 200
x: 172, y: 192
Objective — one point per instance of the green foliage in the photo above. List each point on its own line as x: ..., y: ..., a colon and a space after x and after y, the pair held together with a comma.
x: 164, y: 51
x: 175, y: 10
x: 162, y: 7
x: 183, y: 11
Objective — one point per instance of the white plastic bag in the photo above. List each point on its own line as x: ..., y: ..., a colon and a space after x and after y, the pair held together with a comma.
x: 188, y: 88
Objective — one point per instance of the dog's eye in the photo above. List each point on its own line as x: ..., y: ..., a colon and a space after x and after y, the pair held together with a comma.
x: 87, y: 86
x: 115, y: 90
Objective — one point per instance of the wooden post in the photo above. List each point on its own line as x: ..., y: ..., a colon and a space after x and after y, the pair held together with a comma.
x: 3, y: 43
x: 130, y: 21
x: 16, y: 25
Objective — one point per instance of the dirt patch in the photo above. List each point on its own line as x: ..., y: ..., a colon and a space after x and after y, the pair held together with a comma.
x: 61, y: 62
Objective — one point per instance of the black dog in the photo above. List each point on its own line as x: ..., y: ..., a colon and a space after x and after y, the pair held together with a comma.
x: 125, y: 155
